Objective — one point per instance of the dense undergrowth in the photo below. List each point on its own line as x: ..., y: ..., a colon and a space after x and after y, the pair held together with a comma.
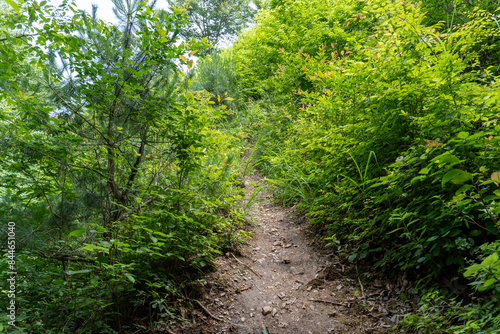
x: 118, y: 184
x: 380, y: 119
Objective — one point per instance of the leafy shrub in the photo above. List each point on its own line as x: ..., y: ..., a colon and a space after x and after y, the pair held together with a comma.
x: 119, y: 182
x: 388, y: 143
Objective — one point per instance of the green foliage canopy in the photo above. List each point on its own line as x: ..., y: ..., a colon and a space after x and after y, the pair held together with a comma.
x: 216, y: 20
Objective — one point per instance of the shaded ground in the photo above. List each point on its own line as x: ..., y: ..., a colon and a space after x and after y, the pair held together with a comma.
x: 279, y: 282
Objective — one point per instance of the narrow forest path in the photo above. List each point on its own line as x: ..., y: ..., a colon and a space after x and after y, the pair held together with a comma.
x: 279, y: 282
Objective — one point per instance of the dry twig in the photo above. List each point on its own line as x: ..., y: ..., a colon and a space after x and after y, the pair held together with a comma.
x: 256, y: 273
x: 360, y: 284
x: 213, y: 316
x: 327, y: 302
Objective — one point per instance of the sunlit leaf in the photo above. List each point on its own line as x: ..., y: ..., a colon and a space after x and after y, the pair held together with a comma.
x: 457, y: 176
x: 496, y: 177
x: 83, y: 271
x: 130, y: 277
x: 77, y: 233
x: 13, y: 4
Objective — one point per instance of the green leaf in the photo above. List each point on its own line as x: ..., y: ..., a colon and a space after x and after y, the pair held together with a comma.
x: 475, y: 233
x: 495, y: 177
x: 77, y: 233
x: 13, y: 4
x: 446, y: 158
x: 424, y: 171
x: 489, y: 282
x: 472, y: 270
x: 94, y: 248
x: 463, y: 135
x: 436, y: 252
x: 490, y: 260
x: 130, y: 277
x: 457, y: 176
x: 464, y: 188
x: 84, y: 271
x: 490, y: 198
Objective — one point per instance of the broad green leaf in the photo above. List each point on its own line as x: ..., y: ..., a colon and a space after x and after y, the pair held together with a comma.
x: 93, y: 248
x: 424, y: 171
x: 130, y: 277
x: 13, y: 4
x: 490, y: 198
x: 463, y: 135
x: 77, y: 233
x: 472, y: 270
x: 457, y: 176
x: 475, y: 233
x: 490, y: 260
x: 446, y: 158
x: 489, y: 282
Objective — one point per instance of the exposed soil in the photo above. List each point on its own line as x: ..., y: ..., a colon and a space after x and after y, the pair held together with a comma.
x: 280, y: 282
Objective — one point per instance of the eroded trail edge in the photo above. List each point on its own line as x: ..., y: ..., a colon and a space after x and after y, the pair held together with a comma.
x: 279, y: 282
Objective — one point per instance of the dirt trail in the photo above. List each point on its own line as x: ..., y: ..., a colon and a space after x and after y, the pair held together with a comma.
x: 281, y: 283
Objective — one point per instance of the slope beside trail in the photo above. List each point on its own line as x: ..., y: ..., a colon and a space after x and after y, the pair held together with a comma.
x: 279, y: 282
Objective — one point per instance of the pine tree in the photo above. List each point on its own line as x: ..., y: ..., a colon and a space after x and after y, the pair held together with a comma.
x: 110, y: 84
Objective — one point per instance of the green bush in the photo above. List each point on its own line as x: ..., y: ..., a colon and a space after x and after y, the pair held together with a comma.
x: 388, y: 142
x: 121, y: 185
x: 216, y: 74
